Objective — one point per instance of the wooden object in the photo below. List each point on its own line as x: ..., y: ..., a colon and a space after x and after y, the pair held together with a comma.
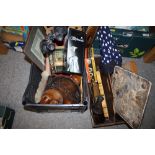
x: 93, y: 64
x: 87, y: 65
x: 149, y: 56
x: 90, y: 35
x: 96, y: 91
x: 76, y: 27
x: 104, y: 103
x: 99, y: 120
x: 99, y: 91
x: 3, y: 49
x: 11, y: 37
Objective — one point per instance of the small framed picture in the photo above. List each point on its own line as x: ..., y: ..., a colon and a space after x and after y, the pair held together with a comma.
x: 32, y: 48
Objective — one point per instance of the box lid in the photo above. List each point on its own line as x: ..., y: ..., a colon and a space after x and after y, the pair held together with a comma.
x: 130, y: 92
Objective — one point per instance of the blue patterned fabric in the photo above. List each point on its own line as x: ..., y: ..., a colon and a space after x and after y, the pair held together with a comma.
x: 110, y: 55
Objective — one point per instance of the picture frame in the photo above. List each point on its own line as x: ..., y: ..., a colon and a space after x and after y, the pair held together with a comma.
x: 32, y: 48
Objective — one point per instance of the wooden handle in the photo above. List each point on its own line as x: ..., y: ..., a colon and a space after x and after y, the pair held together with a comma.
x: 104, y: 103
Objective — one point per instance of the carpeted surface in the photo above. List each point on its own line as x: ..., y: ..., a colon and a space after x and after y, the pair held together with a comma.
x: 14, y: 75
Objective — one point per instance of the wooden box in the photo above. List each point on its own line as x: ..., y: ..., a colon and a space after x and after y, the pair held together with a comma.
x: 126, y: 96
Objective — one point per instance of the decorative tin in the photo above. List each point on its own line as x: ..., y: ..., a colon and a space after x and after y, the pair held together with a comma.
x: 130, y: 92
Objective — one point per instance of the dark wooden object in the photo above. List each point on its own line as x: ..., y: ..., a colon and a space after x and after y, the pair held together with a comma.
x: 149, y: 56
x: 98, y: 120
x: 90, y: 35
x: 3, y: 49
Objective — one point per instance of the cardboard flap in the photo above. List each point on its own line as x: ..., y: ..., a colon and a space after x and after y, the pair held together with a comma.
x: 130, y: 92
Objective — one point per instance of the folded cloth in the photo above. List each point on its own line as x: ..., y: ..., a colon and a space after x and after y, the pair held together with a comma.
x: 110, y: 55
x: 42, y: 85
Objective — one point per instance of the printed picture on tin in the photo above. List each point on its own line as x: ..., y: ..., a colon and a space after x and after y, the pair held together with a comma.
x: 73, y: 62
x: 75, y: 51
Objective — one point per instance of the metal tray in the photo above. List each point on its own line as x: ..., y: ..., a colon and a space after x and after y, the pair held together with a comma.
x: 130, y: 94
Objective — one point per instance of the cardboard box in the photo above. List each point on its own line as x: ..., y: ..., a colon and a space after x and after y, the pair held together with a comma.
x: 133, y: 44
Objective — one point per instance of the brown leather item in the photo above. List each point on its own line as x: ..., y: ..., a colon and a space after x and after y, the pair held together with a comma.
x: 61, y: 90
